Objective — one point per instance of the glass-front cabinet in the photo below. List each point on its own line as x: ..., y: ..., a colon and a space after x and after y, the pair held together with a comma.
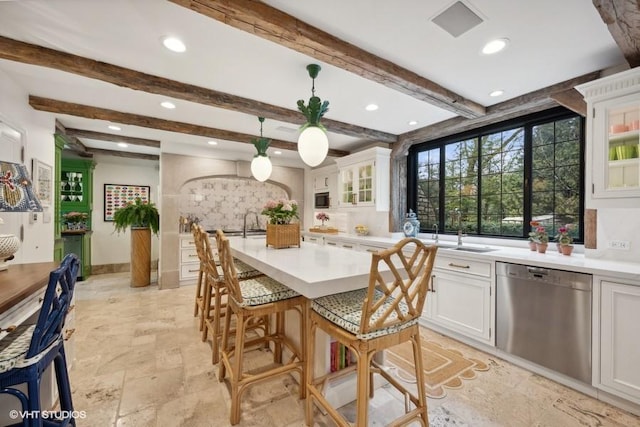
x: 613, y: 136
x: 76, y: 187
x: 363, y: 179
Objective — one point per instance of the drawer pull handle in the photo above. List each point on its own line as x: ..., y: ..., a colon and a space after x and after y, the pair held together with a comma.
x: 193, y: 271
x: 432, y: 288
x: 372, y: 250
x: 331, y: 243
x: 347, y: 246
x: 458, y: 265
x: 193, y: 255
x: 8, y: 329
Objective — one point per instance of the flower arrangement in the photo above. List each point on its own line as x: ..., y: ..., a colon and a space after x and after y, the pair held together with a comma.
x: 322, y: 216
x: 75, y: 217
x: 281, y: 211
x: 538, y: 234
x: 563, y: 237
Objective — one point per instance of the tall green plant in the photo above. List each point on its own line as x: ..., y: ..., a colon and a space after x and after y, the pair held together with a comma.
x: 137, y: 214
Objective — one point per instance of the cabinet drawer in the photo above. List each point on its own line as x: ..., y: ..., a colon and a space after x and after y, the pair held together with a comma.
x: 370, y: 248
x: 463, y: 265
x: 189, y: 271
x: 187, y: 242
x: 188, y: 255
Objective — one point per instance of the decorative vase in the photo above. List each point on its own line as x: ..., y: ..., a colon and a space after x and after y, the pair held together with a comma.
x: 283, y: 235
x: 566, y: 249
x: 542, y: 247
x: 140, y: 256
x: 533, y: 246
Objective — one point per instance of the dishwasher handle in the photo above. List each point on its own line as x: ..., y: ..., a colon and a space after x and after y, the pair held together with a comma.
x: 537, y: 271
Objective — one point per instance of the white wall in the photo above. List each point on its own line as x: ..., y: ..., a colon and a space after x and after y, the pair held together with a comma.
x: 38, y: 129
x: 108, y: 247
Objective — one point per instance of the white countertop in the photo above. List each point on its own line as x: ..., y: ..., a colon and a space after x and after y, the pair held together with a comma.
x: 550, y: 259
x: 311, y: 270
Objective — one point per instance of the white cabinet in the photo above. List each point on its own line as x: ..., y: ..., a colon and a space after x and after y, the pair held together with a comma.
x: 363, y: 179
x: 613, y: 136
x: 459, y: 297
x: 309, y: 238
x: 189, y: 262
x: 618, y: 350
x: 324, y: 180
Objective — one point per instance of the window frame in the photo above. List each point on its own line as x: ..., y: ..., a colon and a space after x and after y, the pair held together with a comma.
x: 528, y: 122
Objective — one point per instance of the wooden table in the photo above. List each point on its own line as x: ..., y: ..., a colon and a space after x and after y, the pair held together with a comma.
x: 20, y: 281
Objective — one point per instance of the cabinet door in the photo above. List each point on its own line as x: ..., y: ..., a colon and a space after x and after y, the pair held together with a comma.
x: 321, y: 182
x: 619, y: 348
x: 462, y: 303
x: 347, y: 190
x: 616, y: 135
x: 366, y: 183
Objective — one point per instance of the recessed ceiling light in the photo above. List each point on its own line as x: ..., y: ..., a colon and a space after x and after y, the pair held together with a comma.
x: 496, y: 92
x: 277, y: 152
x: 122, y: 144
x: 412, y: 122
x: 371, y: 107
x: 495, y: 46
x: 212, y: 142
x: 174, y: 44
x: 114, y: 127
x: 168, y: 105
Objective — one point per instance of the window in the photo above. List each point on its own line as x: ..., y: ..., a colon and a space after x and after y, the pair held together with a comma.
x: 495, y: 180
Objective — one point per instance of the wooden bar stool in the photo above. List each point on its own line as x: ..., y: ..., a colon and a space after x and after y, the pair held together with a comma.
x: 254, y: 300
x: 370, y: 320
x: 214, y: 305
x: 199, y: 300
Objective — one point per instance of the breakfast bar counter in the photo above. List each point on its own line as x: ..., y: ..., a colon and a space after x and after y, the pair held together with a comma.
x: 311, y: 270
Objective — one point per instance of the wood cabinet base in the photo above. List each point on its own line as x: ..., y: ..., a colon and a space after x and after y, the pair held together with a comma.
x: 140, y: 257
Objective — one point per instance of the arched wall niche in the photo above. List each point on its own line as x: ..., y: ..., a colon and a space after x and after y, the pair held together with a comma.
x: 178, y: 170
x: 222, y: 201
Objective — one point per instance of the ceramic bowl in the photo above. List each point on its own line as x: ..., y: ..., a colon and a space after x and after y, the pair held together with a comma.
x: 618, y: 128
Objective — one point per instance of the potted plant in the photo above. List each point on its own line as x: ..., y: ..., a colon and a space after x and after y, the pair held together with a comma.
x: 143, y: 218
x: 280, y: 232
x: 539, y: 236
x: 564, y: 239
x: 75, y: 220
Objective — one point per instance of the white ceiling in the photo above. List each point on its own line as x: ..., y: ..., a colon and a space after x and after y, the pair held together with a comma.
x: 550, y: 41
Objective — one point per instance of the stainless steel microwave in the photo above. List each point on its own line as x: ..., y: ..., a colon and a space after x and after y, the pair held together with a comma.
x: 322, y: 201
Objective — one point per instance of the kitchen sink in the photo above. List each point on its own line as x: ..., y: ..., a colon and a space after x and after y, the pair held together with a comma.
x: 470, y: 249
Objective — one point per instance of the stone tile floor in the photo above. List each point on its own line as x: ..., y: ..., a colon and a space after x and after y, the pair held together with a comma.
x: 139, y: 361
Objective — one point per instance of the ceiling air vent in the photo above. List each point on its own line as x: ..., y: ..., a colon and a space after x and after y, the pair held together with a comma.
x: 457, y: 19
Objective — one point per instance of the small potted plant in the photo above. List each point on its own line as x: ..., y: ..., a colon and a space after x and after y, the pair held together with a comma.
x: 280, y: 232
x: 564, y: 240
x: 75, y: 220
x: 322, y: 216
x: 143, y: 218
x: 533, y: 243
x: 540, y: 237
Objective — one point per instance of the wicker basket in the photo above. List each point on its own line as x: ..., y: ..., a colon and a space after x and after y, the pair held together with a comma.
x: 283, y: 235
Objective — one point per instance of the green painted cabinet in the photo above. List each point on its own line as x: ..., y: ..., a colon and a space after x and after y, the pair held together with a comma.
x: 79, y: 243
x: 58, y: 243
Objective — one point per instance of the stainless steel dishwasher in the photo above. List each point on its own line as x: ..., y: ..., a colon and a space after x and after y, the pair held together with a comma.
x: 544, y: 316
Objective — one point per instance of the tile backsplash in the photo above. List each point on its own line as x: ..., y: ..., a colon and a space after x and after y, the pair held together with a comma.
x: 222, y: 202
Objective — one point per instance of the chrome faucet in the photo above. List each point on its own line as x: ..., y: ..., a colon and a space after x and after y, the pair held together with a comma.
x: 434, y: 236
x: 244, y: 222
x: 457, y: 217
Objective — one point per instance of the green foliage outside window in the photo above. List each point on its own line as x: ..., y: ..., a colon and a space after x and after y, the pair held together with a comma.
x: 500, y: 180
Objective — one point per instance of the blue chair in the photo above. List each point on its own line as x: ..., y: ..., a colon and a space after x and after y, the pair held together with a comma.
x: 29, y: 350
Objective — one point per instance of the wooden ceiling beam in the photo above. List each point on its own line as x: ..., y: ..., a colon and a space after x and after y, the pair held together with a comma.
x: 528, y: 103
x: 623, y: 21
x: 573, y: 100
x: 101, y: 136
x: 272, y: 24
x: 18, y: 51
x: 86, y: 111
x: 126, y: 154
x: 71, y: 142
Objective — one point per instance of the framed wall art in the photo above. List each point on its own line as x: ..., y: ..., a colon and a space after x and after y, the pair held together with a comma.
x: 118, y: 195
x: 42, y: 176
